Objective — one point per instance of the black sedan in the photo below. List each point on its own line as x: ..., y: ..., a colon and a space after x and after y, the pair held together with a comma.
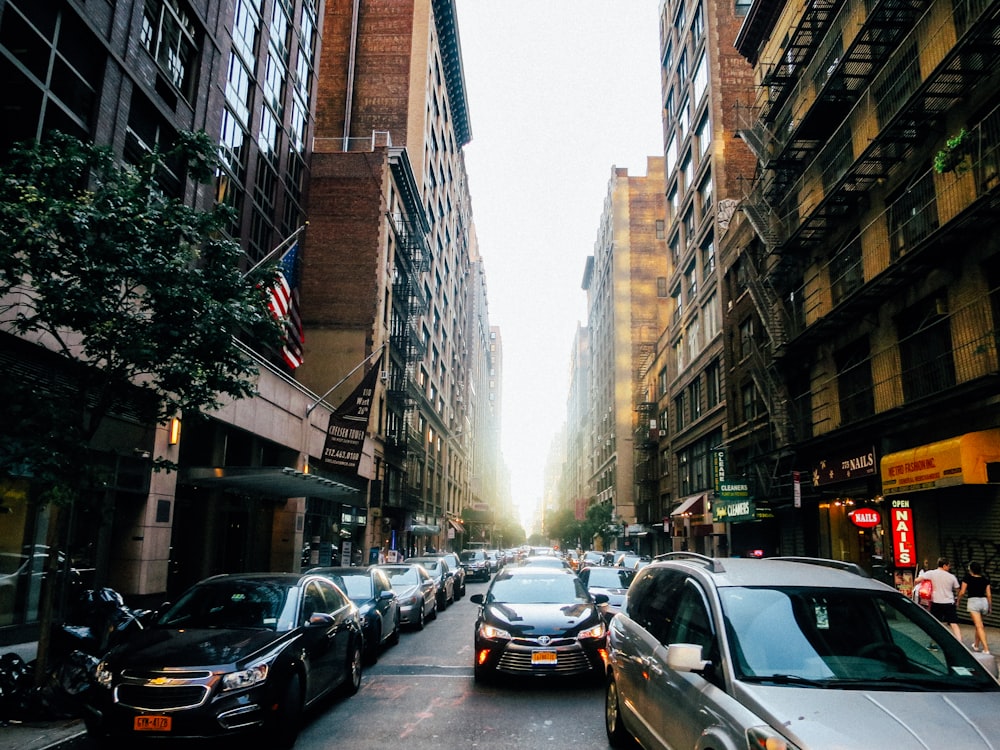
x: 416, y: 592
x: 378, y: 606
x: 236, y: 653
x: 538, y: 622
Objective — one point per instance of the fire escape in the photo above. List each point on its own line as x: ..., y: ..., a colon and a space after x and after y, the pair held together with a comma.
x: 841, y: 110
x: 406, y: 349
x: 646, y: 475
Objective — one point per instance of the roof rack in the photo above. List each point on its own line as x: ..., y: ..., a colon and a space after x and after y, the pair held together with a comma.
x: 848, y: 567
x: 712, y: 563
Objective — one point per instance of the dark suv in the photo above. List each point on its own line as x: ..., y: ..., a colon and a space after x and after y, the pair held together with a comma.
x: 788, y: 653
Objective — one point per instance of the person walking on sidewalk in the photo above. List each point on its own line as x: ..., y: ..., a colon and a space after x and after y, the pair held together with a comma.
x: 980, y: 601
x: 943, y: 602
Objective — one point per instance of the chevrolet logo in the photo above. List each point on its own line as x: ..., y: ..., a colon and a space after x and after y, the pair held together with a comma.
x: 159, y: 681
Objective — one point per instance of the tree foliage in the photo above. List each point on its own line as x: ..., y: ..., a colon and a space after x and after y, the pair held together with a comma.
x: 140, y: 292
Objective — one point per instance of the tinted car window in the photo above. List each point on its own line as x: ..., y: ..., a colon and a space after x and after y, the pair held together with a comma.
x: 355, y: 586
x: 609, y: 578
x: 652, y: 600
x: 229, y: 605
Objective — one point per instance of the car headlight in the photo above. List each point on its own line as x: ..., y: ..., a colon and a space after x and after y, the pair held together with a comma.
x: 595, y: 632
x: 103, y: 675
x: 245, y: 678
x: 765, y: 738
x: 492, y: 632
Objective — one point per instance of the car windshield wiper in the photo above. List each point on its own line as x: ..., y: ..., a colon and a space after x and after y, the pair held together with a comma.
x: 788, y: 679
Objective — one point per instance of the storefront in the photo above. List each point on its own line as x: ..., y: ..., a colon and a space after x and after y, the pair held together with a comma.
x: 942, y: 500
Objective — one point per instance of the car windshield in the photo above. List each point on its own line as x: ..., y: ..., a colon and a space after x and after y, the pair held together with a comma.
x: 355, y: 585
x: 402, y: 576
x: 471, y: 556
x: 610, y: 578
x: 232, y: 604
x: 430, y: 566
x: 843, y: 638
x: 508, y: 588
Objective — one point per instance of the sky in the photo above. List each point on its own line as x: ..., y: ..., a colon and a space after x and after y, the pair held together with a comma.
x: 559, y: 93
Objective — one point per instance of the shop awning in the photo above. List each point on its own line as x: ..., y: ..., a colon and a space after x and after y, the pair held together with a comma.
x: 273, y: 481
x: 971, y: 458
x: 691, y: 506
x: 457, y: 525
x: 424, y: 529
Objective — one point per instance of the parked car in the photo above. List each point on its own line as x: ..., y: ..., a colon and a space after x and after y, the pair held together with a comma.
x: 538, y: 622
x: 594, y: 559
x: 613, y: 582
x: 788, y: 653
x: 236, y: 653
x: 629, y: 560
x: 476, y: 564
x: 456, y: 567
x: 495, y: 558
x: 443, y: 578
x: 370, y: 589
x: 416, y: 592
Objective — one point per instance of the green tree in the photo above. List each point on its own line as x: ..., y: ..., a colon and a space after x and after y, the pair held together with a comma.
x: 138, y: 291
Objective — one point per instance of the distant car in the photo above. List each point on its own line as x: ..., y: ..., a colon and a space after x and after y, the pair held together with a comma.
x: 495, y: 558
x: 378, y: 606
x: 443, y: 577
x: 613, y: 582
x: 788, y: 653
x: 456, y: 567
x: 476, y: 564
x: 235, y: 654
x: 544, y: 561
x: 538, y: 622
x: 593, y: 558
x: 416, y: 592
x: 629, y: 560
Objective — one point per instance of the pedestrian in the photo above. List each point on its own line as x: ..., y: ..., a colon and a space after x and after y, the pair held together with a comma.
x: 977, y: 586
x: 943, y: 600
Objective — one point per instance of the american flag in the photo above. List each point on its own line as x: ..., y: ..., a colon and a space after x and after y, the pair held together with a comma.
x: 283, y: 302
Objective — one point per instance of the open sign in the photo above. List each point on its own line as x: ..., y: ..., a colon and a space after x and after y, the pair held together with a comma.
x: 865, y: 518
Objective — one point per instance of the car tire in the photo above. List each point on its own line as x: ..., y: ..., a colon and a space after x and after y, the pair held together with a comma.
x: 287, y: 719
x: 618, y: 735
x: 352, y: 683
x: 434, y: 611
x: 421, y: 620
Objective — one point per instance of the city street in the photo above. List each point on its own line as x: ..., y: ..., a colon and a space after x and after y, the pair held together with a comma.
x: 421, y: 695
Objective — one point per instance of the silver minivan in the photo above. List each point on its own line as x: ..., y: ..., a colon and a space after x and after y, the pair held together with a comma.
x: 788, y: 653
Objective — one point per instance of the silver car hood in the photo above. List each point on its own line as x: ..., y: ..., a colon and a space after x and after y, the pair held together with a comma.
x: 866, y: 719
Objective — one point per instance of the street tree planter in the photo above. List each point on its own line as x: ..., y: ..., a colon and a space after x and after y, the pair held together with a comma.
x: 955, y: 156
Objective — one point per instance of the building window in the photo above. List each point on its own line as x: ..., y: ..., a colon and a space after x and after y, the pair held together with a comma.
x: 661, y: 229
x: 169, y: 36
x: 699, y: 84
x: 746, y: 338
x: 713, y: 385
x: 925, y: 349
x: 695, y: 398
x: 661, y: 286
x: 854, y: 382
x: 680, y: 412
x: 912, y: 215
x: 748, y: 401
x: 846, y: 271
x: 704, y: 136
x: 708, y: 257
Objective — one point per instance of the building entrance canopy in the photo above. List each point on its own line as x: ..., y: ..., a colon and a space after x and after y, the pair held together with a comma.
x: 273, y: 481
x: 972, y: 458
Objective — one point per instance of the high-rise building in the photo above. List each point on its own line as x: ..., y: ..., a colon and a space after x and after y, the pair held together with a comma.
x: 702, y: 78
x: 391, y: 81
x: 866, y: 269
x: 625, y: 281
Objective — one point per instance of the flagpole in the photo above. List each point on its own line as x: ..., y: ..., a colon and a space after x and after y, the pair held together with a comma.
x: 271, y: 255
x: 341, y: 381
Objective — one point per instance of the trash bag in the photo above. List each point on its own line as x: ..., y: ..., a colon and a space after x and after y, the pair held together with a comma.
x: 15, y: 684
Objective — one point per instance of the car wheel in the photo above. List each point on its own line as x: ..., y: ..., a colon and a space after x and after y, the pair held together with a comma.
x: 372, y: 644
x: 618, y: 736
x: 442, y: 602
x: 434, y: 610
x: 287, y: 718
x: 421, y: 620
x: 352, y: 682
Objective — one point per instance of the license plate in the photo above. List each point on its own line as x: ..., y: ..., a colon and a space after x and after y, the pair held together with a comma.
x: 152, y: 723
x: 543, y: 657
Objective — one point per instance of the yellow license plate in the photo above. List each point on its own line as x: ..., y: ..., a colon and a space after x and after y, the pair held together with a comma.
x: 543, y: 657
x: 152, y: 723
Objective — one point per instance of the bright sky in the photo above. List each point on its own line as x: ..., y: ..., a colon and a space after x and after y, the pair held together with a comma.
x: 559, y: 92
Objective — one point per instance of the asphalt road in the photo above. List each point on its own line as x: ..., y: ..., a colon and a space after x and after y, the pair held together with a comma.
x: 421, y: 696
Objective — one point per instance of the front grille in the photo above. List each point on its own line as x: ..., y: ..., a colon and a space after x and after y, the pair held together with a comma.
x: 517, y: 661
x: 161, y: 698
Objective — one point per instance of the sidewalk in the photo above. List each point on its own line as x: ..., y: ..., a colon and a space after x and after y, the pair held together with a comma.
x: 48, y: 735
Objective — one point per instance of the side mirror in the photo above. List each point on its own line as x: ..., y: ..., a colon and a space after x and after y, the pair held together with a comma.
x: 686, y: 657
x: 388, y: 594
x: 476, y: 599
x: 601, y: 598
x: 320, y: 619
